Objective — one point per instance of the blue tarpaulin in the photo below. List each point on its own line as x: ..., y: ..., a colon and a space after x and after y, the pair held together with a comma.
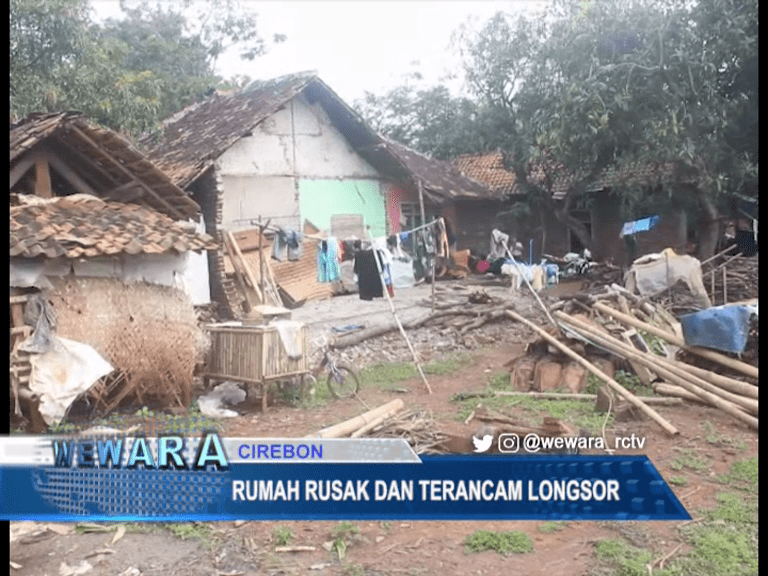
x: 723, y: 328
x: 636, y: 226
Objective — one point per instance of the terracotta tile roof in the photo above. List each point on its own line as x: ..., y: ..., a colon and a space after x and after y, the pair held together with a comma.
x: 490, y: 169
x: 442, y: 181
x: 634, y: 173
x: 101, y: 159
x: 85, y: 226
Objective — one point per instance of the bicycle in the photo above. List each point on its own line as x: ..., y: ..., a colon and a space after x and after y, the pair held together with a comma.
x: 342, y: 381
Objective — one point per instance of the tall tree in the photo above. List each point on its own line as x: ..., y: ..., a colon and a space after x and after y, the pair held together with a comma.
x: 620, y: 83
x: 128, y: 73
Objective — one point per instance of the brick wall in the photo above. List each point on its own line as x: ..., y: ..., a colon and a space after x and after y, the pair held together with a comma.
x: 206, y: 191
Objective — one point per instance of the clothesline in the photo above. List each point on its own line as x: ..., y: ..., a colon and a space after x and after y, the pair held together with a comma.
x: 422, y: 226
x: 320, y: 238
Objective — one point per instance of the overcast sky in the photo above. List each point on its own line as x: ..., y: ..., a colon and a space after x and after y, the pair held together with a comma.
x: 358, y: 45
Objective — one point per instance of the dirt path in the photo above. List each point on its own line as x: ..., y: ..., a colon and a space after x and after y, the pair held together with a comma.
x: 710, y: 443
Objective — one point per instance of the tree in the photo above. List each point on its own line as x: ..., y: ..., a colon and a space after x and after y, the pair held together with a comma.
x: 617, y: 83
x: 127, y: 74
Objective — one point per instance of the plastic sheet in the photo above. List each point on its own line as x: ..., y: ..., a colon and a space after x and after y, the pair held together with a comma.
x: 62, y: 373
x: 723, y: 328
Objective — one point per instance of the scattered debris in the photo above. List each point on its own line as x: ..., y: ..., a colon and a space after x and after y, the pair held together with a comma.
x: 213, y: 403
x: 83, y: 568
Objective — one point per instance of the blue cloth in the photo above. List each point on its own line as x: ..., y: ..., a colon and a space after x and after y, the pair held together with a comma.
x: 723, y: 328
x: 328, y: 268
x: 636, y: 226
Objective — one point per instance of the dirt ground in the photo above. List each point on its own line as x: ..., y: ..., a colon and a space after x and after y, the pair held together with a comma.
x: 402, y: 547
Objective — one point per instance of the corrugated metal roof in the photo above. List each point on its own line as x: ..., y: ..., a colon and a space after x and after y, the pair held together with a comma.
x: 104, y: 159
x: 85, y: 226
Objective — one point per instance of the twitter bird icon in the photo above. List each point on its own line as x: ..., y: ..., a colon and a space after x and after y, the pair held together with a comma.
x: 482, y: 444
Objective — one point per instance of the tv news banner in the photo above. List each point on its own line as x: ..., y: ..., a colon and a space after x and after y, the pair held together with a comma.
x: 206, y: 477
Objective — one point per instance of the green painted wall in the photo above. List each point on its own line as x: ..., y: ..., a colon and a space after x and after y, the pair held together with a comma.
x: 320, y: 199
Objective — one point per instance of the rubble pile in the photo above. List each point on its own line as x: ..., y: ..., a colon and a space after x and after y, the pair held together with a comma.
x: 617, y: 326
x: 462, y: 319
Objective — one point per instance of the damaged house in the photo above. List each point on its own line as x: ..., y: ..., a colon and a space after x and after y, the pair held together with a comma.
x: 290, y: 152
x: 598, y: 212
x: 104, y: 253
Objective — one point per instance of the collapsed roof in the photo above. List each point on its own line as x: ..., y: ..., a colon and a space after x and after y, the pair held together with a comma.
x: 89, y: 159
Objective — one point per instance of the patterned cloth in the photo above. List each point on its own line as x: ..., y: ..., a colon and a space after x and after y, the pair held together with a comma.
x: 328, y: 253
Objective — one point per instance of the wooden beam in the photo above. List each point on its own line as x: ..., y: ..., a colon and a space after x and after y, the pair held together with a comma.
x: 128, y: 173
x: 69, y: 175
x: 22, y: 168
x: 81, y: 157
x: 42, y: 178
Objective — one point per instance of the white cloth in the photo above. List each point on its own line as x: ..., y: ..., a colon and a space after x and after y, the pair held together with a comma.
x: 290, y: 336
x: 499, y: 244
x: 654, y: 273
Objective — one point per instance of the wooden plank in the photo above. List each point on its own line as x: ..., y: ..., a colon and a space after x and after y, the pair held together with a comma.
x: 42, y: 178
x: 249, y: 239
x: 238, y: 275
x: 244, y: 266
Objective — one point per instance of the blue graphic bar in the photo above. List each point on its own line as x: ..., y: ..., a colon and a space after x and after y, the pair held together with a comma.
x: 541, y: 487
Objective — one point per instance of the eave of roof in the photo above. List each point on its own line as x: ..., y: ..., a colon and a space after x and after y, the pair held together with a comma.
x: 85, y: 226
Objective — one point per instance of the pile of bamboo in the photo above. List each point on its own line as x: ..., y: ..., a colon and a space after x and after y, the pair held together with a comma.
x: 617, y: 321
x: 389, y: 420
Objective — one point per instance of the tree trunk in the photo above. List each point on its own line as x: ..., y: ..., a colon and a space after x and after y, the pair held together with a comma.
x: 576, y: 227
x: 709, y: 229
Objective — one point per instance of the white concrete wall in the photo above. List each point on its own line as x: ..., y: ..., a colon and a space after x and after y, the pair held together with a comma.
x: 260, y: 172
x: 245, y: 198
x: 187, y: 271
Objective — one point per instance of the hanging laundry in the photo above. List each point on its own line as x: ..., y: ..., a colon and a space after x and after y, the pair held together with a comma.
x: 368, y: 278
x: 293, y: 239
x: 328, y: 260
x: 280, y: 245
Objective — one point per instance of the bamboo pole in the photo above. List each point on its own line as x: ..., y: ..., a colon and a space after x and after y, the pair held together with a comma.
x: 348, y: 426
x: 672, y: 391
x: 730, y: 384
x: 631, y: 398
x: 725, y: 286
x: 727, y: 406
x: 568, y: 396
x: 397, y: 319
x: 659, y: 365
x: 738, y: 365
x: 373, y: 423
